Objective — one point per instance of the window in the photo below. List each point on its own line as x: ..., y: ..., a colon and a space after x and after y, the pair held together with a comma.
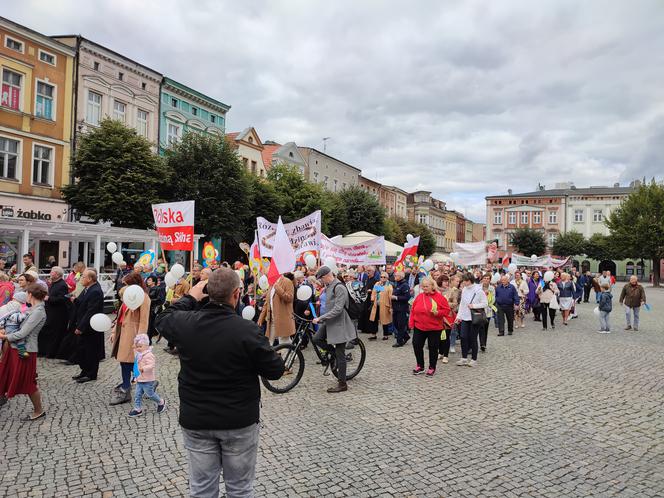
x: 253, y: 167
x: 511, y: 218
x: 578, y: 215
x: 144, y: 85
x: 96, y: 66
x: 44, y: 100
x: 316, y: 176
x: 537, y: 218
x: 174, y: 133
x: 174, y: 102
x: 41, y: 165
x: 213, y: 118
x: 47, y: 57
x: 552, y: 239
x: 121, y: 76
x: 142, y: 122
x: 11, y: 89
x: 9, y: 158
x: 524, y: 218
x: 498, y: 218
x: 553, y: 217
x: 335, y: 184
x: 93, y: 112
x: 13, y: 44
x: 119, y: 109
x: 598, y: 216
x: 194, y: 111
x: 422, y: 218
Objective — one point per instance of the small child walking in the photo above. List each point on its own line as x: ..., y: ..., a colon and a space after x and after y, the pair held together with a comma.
x: 605, y: 308
x: 11, y: 317
x: 146, y: 381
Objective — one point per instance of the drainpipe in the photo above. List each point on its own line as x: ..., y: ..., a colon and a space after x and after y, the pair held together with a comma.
x: 74, y: 134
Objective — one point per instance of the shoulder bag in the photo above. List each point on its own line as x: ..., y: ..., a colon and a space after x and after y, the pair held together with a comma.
x: 478, y: 316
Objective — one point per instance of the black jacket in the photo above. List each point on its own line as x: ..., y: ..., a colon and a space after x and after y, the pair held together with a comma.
x: 402, y: 293
x: 88, y: 303
x: 221, y: 357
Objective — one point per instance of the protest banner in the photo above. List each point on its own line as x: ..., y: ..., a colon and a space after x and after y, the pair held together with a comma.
x: 546, y: 261
x: 304, y: 234
x: 370, y: 252
x: 175, y: 225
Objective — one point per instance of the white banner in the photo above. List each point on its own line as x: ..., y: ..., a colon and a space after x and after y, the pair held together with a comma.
x: 545, y: 261
x: 371, y: 252
x: 472, y: 253
x: 304, y: 234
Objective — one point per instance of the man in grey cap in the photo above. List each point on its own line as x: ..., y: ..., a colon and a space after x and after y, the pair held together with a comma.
x: 336, y: 327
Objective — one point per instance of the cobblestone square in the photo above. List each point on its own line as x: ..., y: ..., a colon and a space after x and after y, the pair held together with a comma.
x: 568, y: 412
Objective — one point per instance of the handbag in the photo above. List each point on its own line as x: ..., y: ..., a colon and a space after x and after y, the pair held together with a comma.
x: 478, y: 316
x: 554, y: 304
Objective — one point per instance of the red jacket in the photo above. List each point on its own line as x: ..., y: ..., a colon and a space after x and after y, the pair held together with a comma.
x: 422, y: 314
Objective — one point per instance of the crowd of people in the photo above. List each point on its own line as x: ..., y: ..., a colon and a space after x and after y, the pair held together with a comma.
x: 221, y: 354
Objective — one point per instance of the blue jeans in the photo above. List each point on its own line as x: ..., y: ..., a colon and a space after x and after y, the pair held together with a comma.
x: 453, y: 335
x: 146, y: 388
x: 210, y: 451
x: 634, y: 310
x: 604, y: 320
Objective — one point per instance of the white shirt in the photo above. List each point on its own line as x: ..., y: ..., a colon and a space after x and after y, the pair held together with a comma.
x: 522, y: 289
x: 473, y: 293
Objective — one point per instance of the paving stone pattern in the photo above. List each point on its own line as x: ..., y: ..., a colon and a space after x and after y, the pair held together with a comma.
x: 568, y: 412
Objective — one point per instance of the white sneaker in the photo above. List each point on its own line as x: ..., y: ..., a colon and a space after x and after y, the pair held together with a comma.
x: 452, y: 349
x: 444, y: 359
x: 600, y: 331
x: 472, y: 363
x: 462, y: 362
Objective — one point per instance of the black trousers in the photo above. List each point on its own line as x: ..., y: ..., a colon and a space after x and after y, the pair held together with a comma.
x: 320, y: 340
x: 505, y: 312
x: 469, y: 334
x: 484, y: 333
x: 444, y: 346
x: 88, y: 357
x: 537, y: 312
x: 419, y: 338
x: 586, y: 293
x: 400, y: 322
x: 550, y: 312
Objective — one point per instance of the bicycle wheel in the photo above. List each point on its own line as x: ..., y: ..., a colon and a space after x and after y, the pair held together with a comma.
x: 294, y: 361
x: 353, y: 363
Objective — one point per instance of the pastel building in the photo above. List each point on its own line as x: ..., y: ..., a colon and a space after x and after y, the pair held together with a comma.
x: 184, y: 109
x: 249, y: 147
x: 425, y: 209
x: 110, y: 85
x: 288, y: 154
x: 332, y: 173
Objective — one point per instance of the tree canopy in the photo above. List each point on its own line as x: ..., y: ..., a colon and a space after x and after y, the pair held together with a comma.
x: 117, y: 177
x: 569, y: 244
x: 361, y: 210
x: 528, y: 241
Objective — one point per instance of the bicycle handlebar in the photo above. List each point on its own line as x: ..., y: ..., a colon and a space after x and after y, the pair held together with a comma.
x: 302, y: 319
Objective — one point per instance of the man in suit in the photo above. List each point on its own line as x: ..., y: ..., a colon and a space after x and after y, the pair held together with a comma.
x: 89, y: 303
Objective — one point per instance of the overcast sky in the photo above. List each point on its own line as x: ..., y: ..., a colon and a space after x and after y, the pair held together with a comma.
x: 463, y: 98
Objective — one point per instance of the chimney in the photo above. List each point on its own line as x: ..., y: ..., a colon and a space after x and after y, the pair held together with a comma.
x: 616, y: 185
x: 509, y: 191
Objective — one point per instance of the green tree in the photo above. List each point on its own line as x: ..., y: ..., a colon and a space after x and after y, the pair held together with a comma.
x: 392, y: 230
x: 637, y: 226
x: 265, y: 202
x: 529, y: 241
x: 600, y: 247
x: 207, y: 170
x: 337, y: 217
x: 117, y: 175
x: 569, y: 244
x: 427, y: 244
x: 362, y: 210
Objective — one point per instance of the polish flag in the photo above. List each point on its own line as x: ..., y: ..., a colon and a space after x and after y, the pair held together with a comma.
x: 283, y: 255
x: 506, y: 260
x: 409, y: 249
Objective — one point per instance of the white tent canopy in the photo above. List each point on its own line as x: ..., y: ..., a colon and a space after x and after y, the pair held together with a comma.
x: 391, y: 249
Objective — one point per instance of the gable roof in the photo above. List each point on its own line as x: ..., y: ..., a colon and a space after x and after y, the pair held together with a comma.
x: 268, y: 150
x: 563, y: 192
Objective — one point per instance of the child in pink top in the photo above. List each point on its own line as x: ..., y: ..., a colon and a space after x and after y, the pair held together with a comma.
x: 146, y: 381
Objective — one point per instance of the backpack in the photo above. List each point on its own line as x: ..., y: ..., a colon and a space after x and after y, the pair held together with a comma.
x: 355, y: 307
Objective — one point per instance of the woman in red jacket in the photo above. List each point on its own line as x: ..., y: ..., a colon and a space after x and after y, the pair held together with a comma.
x: 427, y: 319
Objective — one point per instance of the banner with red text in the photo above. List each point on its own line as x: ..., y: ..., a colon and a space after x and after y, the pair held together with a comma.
x: 175, y: 225
x: 304, y: 234
x: 371, y: 252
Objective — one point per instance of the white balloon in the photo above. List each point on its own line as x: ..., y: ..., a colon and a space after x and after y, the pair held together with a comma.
x: 428, y: 265
x: 111, y: 247
x: 133, y: 296
x: 533, y: 258
x: 304, y: 292
x: 248, y: 312
x: 495, y: 278
x: 263, y: 283
x: 177, y: 270
x: 416, y: 290
x: 330, y: 262
x: 548, y: 276
x: 117, y: 258
x: 100, y: 322
x: 310, y: 261
x: 409, y: 237
x: 453, y: 255
x: 596, y: 311
x: 512, y: 268
x: 170, y: 280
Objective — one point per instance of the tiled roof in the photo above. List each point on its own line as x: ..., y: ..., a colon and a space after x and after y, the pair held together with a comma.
x: 267, y: 152
x: 562, y: 192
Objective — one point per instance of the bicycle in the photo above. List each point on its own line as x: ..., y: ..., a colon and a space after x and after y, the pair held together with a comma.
x: 294, y: 359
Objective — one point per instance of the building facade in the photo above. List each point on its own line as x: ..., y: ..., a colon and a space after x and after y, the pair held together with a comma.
x: 110, y: 85
x: 371, y: 186
x: 36, y: 103
x: 288, y: 153
x: 400, y: 202
x: 249, y: 147
x: 334, y: 175
x: 588, y: 208
x: 184, y: 109
x: 422, y: 208
x: 450, y: 223
x: 479, y: 232
x: 468, y: 236
x: 460, y: 227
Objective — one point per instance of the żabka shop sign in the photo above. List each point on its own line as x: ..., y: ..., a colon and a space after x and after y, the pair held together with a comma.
x: 175, y: 225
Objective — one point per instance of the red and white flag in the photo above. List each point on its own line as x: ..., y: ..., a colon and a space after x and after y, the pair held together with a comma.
x: 506, y: 260
x: 409, y: 249
x: 283, y: 255
x: 175, y: 225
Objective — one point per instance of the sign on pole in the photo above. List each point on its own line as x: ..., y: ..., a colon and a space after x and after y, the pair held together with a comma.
x: 175, y: 225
